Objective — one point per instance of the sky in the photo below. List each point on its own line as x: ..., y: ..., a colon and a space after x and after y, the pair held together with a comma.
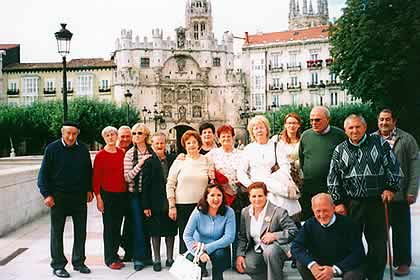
x: 96, y: 24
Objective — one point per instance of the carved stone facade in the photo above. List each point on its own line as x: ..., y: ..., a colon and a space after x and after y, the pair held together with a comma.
x: 191, y: 79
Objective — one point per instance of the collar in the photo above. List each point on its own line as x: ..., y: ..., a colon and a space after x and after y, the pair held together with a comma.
x: 361, y: 141
x: 251, y: 210
x: 67, y: 146
x: 390, y: 136
x: 326, y: 130
x: 332, y: 221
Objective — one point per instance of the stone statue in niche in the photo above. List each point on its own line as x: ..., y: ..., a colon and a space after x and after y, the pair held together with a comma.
x: 168, y: 95
x: 180, y: 37
x: 196, y: 112
x: 182, y: 95
x: 181, y: 61
x: 196, y: 96
x: 182, y: 113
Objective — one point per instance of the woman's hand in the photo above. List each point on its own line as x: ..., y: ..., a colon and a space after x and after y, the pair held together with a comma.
x: 100, y: 204
x: 268, y: 238
x: 143, y: 159
x: 172, y: 213
x: 293, y: 191
x: 204, y: 258
x: 240, y: 264
x: 147, y: 212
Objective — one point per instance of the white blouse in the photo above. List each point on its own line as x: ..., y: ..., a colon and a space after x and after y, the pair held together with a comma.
x: 226, y: 163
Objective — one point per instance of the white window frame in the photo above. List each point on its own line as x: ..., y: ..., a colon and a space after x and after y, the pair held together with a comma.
x: 12, y: 85
x: 104, y: 84
x: 49, y: 84
x: 258, y: 101
x: 85, y: 85
x: 314, y: 78
x: 294, y: 81
x: 30, y: 86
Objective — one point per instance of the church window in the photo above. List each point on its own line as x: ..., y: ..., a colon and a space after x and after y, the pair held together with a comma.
x: 195, y: 31
x: 144, y: 62
x: 216, y: 61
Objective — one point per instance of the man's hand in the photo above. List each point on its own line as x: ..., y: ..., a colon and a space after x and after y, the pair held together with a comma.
x: 172, y: 213
x: 148, y: 212
x: 326, y: 273
x: 240, y: 264
x: 49, y: 201
x: 387, y: 196
x: 341, y: 209
x: 268, y: 238
x: 411, y: 199
x: 315, y: 270
x: 89, y: 196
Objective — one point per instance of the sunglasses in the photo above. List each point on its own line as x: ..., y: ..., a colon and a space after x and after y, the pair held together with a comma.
x: 137, y: 133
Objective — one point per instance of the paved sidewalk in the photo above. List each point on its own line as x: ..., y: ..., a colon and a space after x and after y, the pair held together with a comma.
x: 33, y: 263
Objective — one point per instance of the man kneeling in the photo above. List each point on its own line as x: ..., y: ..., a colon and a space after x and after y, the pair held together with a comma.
x: 328, y: 245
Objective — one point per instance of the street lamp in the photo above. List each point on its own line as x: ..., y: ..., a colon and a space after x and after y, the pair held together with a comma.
x: 145, y: 112
x: 273, y: 109
x: 63, y: 44
x: 128, y: 96
x: 157, y: 117
x: 246, y: 114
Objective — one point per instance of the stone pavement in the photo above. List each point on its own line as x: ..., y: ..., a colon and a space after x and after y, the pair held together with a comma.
x: 33, y: 263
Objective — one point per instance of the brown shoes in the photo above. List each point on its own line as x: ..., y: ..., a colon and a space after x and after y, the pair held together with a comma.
x: 402, y: 270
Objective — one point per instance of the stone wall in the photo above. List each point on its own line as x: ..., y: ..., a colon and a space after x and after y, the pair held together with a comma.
x: 20, y: 200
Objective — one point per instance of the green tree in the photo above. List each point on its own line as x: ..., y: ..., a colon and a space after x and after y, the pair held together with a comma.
x: 375, y: 46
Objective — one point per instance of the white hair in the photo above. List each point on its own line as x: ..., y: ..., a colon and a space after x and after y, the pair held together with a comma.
x: 109, y: 129
x: 323, y: 109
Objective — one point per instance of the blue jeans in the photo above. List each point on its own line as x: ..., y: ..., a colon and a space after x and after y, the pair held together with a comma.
x: 139, y: 243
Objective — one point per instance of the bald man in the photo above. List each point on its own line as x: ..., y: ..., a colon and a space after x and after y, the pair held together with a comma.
x: 328, y: 245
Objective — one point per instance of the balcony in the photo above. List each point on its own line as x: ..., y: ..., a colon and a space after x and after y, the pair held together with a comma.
x: 49, y: 91
x: 276, y: 88
x: 294, y: 87
x: 294, y: 67
x: 314, y: 64
x: 328, y: 62
x: 333, y: 84
x: 12, y: 92
x: 104, y: 89
x: 69, y: 91
x: 275, y: 68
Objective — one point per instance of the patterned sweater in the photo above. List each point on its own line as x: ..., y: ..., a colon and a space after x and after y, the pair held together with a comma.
x: 363, y: 171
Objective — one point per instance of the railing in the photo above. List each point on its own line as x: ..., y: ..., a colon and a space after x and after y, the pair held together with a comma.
x: 332, y: 83
x: 294, y: 67
x: 276, y: 88
x: 276, y: 68
x: 12, y: 91
x: 49, y: 91
x: 294, y: 87
x: 103, y: 89
x: 314, y: 64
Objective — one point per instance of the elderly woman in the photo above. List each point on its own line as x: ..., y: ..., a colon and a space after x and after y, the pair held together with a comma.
x: 186, y: 182
x: 265, y: 233
x: 212, y: 223
x: 265, y: 161
x: 133, y: 164
x: 110, y: 193
x: 155, y: 204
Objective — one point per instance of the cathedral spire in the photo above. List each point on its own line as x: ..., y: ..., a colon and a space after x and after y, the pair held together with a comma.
x: 305, y: 7
x: 311, y: 9
x: 326, y: 13
x: 297, y: 8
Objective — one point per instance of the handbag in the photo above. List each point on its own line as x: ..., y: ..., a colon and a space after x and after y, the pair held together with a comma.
x: 224, y: 182
x: 276, y: 166
x: 184, y: 269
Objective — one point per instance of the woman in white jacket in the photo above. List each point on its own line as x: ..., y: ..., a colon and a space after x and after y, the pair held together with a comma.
x: 265, y: 161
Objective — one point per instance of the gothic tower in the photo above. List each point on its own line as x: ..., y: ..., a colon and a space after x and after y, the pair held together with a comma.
x: 198, y: 20
x: 308, y: 17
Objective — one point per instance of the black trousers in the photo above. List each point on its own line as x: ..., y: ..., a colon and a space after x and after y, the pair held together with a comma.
x: 369, y: 216
x: 183, y: 213
x: 112, y: 219
x: 73, y: 205
x: 127, y: 231
x: 399, y: 218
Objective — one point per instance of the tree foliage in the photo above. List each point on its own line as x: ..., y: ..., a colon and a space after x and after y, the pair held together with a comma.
x: 40, y: 123
x: 375, y: 47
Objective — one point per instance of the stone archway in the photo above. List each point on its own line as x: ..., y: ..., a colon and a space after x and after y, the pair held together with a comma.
x: 180, y: 130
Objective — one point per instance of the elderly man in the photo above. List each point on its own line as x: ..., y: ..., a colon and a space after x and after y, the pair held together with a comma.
x: 124, y: 143
x: 328, y: 245
x: 365, y: 174
x: 65, y: 182
x: 315, y: 150
x: 407, y: 151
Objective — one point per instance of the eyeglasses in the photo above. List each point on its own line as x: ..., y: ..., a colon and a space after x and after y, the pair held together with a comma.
x: 292, y: 123
x: 137, y: 133
x: 314, y: 120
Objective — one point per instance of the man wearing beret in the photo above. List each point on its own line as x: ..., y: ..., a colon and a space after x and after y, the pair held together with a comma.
x: 65, y: 182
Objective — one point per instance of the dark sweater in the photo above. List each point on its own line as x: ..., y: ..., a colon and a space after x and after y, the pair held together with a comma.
x: 315, y: 152
x: 65, y: 169
x: 339, y: 244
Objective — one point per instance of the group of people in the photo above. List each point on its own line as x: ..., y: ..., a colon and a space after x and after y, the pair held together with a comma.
x: 243, y: 208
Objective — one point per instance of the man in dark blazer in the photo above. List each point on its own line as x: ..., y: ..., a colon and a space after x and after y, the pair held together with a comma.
x: 263, y: 257
x: 328, y: 245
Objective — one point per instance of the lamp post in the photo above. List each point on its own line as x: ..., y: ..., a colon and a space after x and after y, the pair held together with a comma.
x: 157, y: 117
x: 245, y: 114
x: 145, y: 112
x: 63, y: 44
x: 274, y: 108
x: 128, y: 96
